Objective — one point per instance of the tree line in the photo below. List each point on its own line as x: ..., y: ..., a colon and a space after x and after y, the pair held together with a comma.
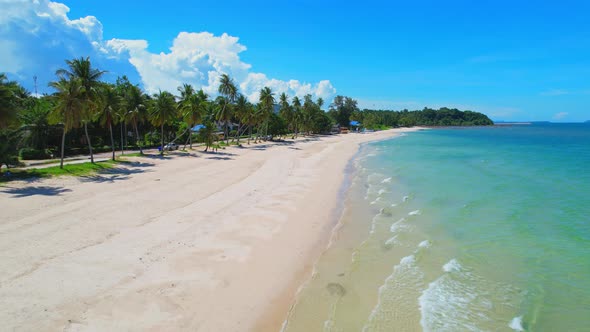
x: 85, y: 115
x: 378, y: 119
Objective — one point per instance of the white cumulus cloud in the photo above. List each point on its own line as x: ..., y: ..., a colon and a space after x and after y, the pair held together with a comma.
x: 36, y: 36
x: 199, y: 59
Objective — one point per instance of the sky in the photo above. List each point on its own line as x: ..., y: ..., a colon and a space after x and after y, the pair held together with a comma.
x: 512, y: 60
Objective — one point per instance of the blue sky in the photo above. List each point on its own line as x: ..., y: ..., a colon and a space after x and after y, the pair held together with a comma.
x: 508, y: 59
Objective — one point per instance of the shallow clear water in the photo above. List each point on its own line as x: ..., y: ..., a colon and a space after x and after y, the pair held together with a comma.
x: 478, y: 229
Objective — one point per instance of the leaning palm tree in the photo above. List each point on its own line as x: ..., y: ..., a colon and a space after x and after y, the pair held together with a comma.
x: 70, y: 101
x: 162, y: 111
x: 243, y: 107
x: 110, y: 105
x: 267, y: 101
x: 89, y: 77
x: 228, y: 90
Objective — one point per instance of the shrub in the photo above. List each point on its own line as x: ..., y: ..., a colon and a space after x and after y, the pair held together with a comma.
x: 34, y: 154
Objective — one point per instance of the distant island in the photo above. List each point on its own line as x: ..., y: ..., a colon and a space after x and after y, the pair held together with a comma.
x: 426, y: 117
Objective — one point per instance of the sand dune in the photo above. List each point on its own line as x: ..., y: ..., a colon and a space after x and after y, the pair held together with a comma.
x: 205, y: 242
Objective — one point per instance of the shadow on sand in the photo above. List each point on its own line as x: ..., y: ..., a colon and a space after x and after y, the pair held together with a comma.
x: 118, y: 173
x: 35, y: 190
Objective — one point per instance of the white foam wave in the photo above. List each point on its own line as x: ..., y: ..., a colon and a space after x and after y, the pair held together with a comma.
x: 405, y: 275
x: 397, y: 225
x: 516, y: 324
x: 407, y: 260
x: 452, y: 266
x: 425, y: 244
x: 391, y: 241
x: 388, y: 180
x: 376, y: 201
x: 406, y: 198
x: 415, y: 213
x: 381, y: 192
x: 393, y: 205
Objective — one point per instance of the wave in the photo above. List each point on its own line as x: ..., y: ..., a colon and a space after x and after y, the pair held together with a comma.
x: 415, y: 213
x: 401, y: 286
x: 388, y: 180
x: 460, y: 300
x: 452, y: 266
x: 398, y: 225
x: 516, y: 324
x: 406, y: 198
x: 425, y: 244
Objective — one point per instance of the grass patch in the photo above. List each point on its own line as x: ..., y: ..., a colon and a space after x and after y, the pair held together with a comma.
x: 82, y: 169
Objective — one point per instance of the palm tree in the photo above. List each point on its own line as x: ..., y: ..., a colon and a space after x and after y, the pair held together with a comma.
x: 8, y: 107
x: 320, y: 102
x: 89, y: 77
x: 267, y: 101
x: 70, y: 101
x: 190, y: 107
x: 135, y: 103
x: 243, y: 107
x: 286, y: 110
x: 110, y: 106
x: 162, y: 111
x: 224, y: 113
x: 297, y: 116
x: 228, y: 90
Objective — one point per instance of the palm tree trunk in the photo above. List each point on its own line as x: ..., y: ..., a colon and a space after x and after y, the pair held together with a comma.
x: 125, y: 135
x: 89, y: 144
x: 162, y: 137
x: 227, y: 134
x: 190, y: 137
x: 122, y: 150
x: 63, y: 144
x: 112, y: 140
x: 137, y: 135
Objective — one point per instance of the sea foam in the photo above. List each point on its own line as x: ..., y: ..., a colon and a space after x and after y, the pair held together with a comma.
x: 452, y: 266
x: 516, y: 324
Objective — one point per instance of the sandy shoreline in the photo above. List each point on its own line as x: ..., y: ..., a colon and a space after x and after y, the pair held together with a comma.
x: 205, y: 242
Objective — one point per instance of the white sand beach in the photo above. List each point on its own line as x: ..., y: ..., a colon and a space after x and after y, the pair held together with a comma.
x: 195, y: 242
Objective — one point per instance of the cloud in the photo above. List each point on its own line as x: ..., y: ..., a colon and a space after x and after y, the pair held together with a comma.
x: 199, y: 59
x: 560, y: 115
x: 36, y: 36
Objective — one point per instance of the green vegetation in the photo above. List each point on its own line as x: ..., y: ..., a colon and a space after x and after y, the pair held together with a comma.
x: 427, y: 117
x: 82, y: 169
x: 85, y: 114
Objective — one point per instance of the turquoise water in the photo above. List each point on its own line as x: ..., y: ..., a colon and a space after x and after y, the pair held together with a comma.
x: 478, y: 229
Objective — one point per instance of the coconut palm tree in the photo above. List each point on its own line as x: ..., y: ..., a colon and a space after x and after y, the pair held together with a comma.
x: 286, y: 111
x: 228, y: 90
x: 135, y: 113
x: 297, y: 115
x: 162, y: 110
x: 267, y: 101
x: 191, y: 107
x: 89, y: 77
x: 243, y: 107
x: 70, y: 101
x: 110, y: 105
x: 8, y: 101
x: 224, y: 113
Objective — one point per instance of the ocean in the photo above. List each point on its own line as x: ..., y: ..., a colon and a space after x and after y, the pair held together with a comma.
x: 460, y: 229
